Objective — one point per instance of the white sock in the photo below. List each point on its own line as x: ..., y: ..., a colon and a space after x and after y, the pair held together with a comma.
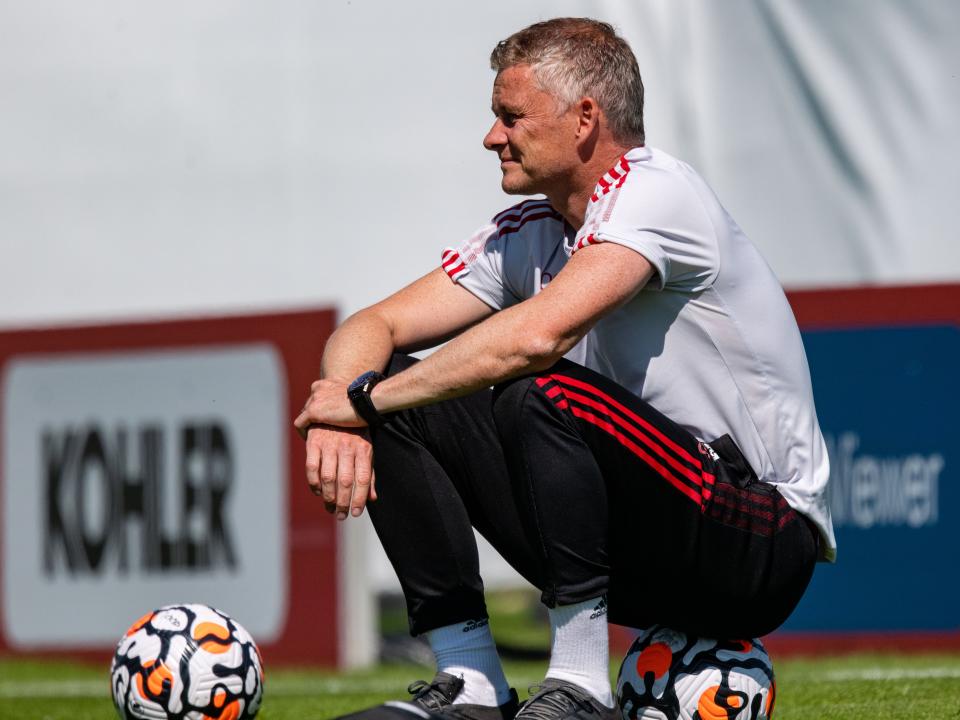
x: 580, y: 647
x: 467, y: 650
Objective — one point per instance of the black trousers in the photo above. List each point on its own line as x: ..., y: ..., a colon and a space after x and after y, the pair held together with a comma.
x: 585, y: 490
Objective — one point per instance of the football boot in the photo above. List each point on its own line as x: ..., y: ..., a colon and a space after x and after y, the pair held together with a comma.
x: 557, y: 699
x: 438, y: 695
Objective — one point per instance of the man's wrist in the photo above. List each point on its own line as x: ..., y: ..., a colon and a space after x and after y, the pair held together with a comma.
x: 359, y: 392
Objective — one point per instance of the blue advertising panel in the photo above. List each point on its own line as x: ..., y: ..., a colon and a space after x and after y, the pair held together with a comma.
x: 887, y: 400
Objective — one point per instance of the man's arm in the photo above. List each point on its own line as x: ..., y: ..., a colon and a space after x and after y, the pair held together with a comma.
x: 524, y: 338
x: 527, y: 337
x: 421, y: 315
x: 339, y: 463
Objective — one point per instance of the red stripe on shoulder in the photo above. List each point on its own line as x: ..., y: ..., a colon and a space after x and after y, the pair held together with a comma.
x: 449, y: 258
x: 584, y: 241
x: 452, y: 264
x: 456, y: 272
x: 612, y: 179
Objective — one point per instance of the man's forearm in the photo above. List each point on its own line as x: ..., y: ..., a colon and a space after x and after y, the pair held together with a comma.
x: 501, y: 347
x: 527, y: 337
x: 363, y: 342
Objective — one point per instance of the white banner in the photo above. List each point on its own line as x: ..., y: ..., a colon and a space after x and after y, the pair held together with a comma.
x: 134, y: 480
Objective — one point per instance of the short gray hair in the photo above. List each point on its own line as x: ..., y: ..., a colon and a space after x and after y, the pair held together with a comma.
x: 575, y: 57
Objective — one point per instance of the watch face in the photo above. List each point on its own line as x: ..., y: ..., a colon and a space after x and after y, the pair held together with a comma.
x: 359, y: 383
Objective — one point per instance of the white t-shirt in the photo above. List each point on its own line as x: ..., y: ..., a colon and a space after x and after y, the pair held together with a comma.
x: 711, y: 341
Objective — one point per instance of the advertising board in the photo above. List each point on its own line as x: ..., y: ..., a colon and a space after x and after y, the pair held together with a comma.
x: 155, y: 463
x: 884, y: 367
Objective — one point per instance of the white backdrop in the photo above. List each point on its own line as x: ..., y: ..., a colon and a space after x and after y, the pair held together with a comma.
x: 201, y: 156
x: 189, y: 157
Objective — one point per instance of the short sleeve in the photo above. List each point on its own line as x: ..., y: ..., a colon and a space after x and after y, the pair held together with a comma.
x: 477, y: 265
x: 658, y: 213
x: 512, y: 257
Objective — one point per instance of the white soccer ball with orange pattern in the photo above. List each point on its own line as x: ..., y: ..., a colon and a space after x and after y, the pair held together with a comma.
x: 187, y: 662
x: 668, y: 675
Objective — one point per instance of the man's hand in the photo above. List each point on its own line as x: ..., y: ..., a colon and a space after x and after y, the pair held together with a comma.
x: 328, y: 404
x: 340, y: 468
x: 339, y: 454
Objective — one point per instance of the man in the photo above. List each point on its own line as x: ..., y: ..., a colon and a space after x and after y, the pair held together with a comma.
x: 676, y: 471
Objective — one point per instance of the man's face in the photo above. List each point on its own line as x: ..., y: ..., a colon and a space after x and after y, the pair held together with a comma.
x: 536, y: 144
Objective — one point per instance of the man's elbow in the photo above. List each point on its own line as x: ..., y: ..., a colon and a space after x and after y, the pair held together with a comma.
x: 370, y: 319
x: 542, y: 350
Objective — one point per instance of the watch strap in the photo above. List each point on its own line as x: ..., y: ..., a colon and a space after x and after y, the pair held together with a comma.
x: 359, y: 395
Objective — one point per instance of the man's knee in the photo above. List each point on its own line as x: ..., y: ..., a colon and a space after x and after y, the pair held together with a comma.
x: 517, y: 401
x: 402, y: 425
x: 508, y: 397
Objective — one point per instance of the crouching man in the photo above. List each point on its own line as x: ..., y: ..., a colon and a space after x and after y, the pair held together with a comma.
x: 622, y: 406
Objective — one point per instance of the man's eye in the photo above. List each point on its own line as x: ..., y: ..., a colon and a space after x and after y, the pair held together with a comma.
x: 508, y: 119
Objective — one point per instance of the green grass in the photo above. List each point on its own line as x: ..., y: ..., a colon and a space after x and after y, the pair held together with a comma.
x: 855, y: 687
x: 891, y: 687
x: 869, y: 686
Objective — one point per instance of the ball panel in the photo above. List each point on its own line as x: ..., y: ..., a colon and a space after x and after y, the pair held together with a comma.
x: 139, y: 624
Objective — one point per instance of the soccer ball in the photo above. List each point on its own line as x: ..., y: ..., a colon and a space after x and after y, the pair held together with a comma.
x: 188, y: 662
x: 667, y: 675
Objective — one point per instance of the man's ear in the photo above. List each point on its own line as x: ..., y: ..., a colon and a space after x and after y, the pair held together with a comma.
x: 588, y: 117
x: 588, y: 127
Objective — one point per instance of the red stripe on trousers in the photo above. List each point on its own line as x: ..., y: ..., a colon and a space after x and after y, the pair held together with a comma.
x: 630, y: 414
x: 554, y: 391
x: 731, y: 502
x: 639, y: 452
x: 785, y: 518
x: 741, y: 522
x: 756, y: 499
x: 645, y: 439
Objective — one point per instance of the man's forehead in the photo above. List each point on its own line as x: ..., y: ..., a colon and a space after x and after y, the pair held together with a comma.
x: 515, y: 75
x: 514, y: 83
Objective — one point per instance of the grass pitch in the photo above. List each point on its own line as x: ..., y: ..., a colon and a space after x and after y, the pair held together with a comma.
x: 918, y: 687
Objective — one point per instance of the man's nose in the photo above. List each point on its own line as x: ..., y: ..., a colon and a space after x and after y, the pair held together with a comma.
x: 495, y: 137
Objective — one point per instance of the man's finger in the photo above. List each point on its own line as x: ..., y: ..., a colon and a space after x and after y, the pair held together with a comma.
x: 301, y: 421
x: 373, y: 485
x: 362, y: 484
x: 313, y: 464
x: 303, y: 424
x: 328, y: 475
x: 346, y: 476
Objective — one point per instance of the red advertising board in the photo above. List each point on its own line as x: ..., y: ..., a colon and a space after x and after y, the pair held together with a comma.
x: 156, y: 462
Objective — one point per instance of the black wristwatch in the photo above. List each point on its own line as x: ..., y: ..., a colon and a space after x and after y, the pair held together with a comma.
x: 359, y: 395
